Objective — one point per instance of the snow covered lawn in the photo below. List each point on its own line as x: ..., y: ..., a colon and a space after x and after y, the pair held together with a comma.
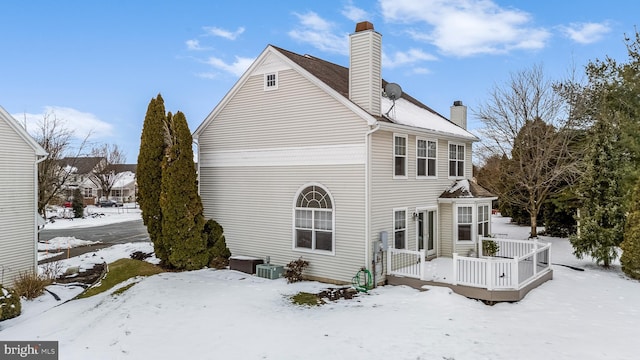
x: 93, y: 216
x: 207, y: 314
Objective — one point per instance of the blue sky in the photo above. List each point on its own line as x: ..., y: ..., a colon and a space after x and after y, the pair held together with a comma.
x: 96, y: 64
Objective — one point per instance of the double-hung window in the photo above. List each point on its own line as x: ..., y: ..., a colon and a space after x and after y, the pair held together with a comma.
x: 313, y: 223
x: 426, y: 151
x: 456, y: 160
x: 465, y: 221
x: 400, y: 156
x: 400, y: 229
x: 483, y: 220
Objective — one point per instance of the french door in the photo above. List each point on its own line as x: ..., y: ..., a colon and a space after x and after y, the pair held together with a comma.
x: 426, y: 231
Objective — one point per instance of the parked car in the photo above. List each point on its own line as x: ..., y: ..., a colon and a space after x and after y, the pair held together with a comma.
x: 108, y: 203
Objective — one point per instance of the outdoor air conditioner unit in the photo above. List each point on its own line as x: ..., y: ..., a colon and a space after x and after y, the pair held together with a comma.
x: 269, y: 271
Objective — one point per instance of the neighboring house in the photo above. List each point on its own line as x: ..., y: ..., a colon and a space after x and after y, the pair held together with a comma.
x: 306, y: 158
x: 19, y: 219
x: 81, y: 168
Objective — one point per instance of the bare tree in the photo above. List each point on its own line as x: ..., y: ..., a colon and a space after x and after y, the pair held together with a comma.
x: 105, y: 175
x: 53, y: 177
x: 527, y: 123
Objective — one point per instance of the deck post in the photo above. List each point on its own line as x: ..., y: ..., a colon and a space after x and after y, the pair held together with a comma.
x: 455, y: 268
x: 422, y: 264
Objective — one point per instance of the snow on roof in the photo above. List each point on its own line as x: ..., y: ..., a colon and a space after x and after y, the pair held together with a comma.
x: 406, y: 113
x: 124, y: 178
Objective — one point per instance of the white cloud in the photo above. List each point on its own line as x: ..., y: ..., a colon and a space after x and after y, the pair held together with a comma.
x: 320, y: 33
x: 237, y: 68
x: 467, y: 27
x: 80, y: 123
x: 401, y: 58
x: 231, y: 35
x: 586, y: 33
x: 195, y: 45
x: 355, y: 14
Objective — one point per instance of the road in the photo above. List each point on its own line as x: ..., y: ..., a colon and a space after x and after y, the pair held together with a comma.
x: 108, y: 235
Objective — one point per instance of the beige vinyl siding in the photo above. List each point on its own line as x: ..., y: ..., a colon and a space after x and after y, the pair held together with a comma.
x: 446, y: 230
x: 388, y: 193
x: 17, y: 209
x: 286, y: 117
x: 365, y: 70
x: 255, y: 208
x: 254, y: 204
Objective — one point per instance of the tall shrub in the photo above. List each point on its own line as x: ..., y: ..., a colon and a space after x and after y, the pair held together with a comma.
x: 182, y: 212
x: 149, y: 173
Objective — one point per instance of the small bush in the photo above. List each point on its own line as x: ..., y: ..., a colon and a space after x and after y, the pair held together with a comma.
x: 10, y: 305
x: 30, y: 285
x: 490, y: 248
x: 294, y: 270
x: 219, y: 253
x: 51, y: 270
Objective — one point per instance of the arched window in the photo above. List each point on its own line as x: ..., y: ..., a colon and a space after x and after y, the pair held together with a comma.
x: 313, y: 223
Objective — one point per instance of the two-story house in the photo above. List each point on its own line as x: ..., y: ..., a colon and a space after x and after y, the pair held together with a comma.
x: 306, y: 158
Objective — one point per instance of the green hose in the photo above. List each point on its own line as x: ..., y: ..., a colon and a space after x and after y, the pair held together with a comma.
x: 365, y: 276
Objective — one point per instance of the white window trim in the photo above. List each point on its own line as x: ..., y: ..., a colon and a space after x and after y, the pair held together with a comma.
x: 406, y: 227
x: 435, y: 176
x: 406, y: 155
x: 333, y: 221
x: 474, y: 229
x: 435, y: 233
x: 464, y: 167
x: 270, y: 88
x: 488, y: 205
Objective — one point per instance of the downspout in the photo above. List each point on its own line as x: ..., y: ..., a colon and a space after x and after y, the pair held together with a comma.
x: 36, y: 230
x: 367, y: 194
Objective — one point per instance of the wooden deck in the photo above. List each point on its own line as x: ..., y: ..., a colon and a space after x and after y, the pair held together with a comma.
x: 473, y: 292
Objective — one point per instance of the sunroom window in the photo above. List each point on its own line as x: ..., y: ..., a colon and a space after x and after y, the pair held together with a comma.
x: 465, y: 220
x: 314, y: 220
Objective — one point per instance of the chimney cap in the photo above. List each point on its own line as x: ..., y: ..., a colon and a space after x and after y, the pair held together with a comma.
x: 363, y: 26
x: 457, y: 103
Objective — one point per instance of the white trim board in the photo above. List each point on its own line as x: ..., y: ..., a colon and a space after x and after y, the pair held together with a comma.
x: 351, y: 154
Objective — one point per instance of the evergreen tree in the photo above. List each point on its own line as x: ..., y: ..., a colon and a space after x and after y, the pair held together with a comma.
x: 630, y: 258
x: 601, y: 221
x: 77, y: 204
x: 149, y: 173
x: 182, y: 211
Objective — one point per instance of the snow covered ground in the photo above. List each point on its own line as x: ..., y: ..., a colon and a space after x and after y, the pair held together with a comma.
x: 94, y: 216
x: 207, y: 314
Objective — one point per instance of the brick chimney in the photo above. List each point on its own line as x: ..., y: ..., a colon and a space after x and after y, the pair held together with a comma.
x: 365, y: 67
x: 459, y: 114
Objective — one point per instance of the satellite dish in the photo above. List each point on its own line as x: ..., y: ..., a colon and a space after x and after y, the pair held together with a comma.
x: 393, y: 91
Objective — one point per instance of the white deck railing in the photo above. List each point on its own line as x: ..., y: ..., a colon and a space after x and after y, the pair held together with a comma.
x: 406, y: 263
x: 515, y: 265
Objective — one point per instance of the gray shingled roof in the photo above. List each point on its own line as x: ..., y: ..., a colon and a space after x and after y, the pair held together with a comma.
x: 337, y: 77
